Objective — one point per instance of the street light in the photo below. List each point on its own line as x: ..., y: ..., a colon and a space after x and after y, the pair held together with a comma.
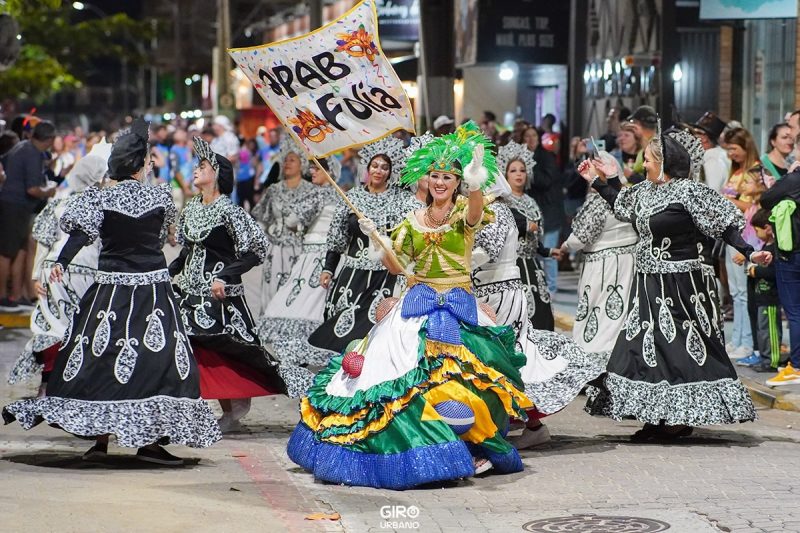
x: 677, y: 72
x: 508, y: 70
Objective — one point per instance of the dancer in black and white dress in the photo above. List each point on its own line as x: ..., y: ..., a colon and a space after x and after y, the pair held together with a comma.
x: 125, y: 367
x: 286, y: 211
x: 298, y: 308
x: 220, y: 243
x: 58, y: 301
x: 669, y: 368
x: 517, y: 162
x: 362, y: 282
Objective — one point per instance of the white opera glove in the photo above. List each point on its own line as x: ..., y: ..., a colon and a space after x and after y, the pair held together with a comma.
x: 475, y: 174
x: 479, y: 257
x: 367, y: 226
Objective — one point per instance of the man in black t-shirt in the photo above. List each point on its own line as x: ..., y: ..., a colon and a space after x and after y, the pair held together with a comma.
x: 24, y: 193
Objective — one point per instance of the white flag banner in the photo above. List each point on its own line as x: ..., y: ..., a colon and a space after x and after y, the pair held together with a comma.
x: 332, y: 87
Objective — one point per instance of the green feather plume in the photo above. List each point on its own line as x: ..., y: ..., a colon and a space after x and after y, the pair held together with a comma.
x: 441, y: 152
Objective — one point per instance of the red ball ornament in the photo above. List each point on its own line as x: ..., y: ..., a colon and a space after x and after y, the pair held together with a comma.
x: 352, y: 363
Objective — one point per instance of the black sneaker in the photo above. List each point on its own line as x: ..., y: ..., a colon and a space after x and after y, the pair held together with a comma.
x: 764, y: 367
x: 159, y: 456
x: 26, y: 305
x: 9, y: 306
x: 98, y: 452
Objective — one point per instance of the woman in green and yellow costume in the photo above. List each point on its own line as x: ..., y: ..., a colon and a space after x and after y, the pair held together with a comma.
x: 427, y: 395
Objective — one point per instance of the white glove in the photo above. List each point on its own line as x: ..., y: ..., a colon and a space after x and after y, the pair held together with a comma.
x: 376, y: 251
x: 366, y: 225
x: 291, y: 221
x: 475, y: 174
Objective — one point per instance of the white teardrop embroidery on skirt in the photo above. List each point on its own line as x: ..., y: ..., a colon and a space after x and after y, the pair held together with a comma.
x: 346, y: 321
x: 541, y: 282
x: 202, y: 318
x: 649, y: 345
x: 694, y: 343
x: 615, y: 305
x: 665, y: 321
x: 700, y: 311
x: 154, y: 338
x: 238, y: 324
x: 102, y: 334
x: 313, y: 279
x: 591, y: 325
x: 530, y: 302
x: 295, y: 292
x: 632, y: 325
x: 75, y: 359
x: 181, y: 355
x: 583, y: 305
x: 126, y: 360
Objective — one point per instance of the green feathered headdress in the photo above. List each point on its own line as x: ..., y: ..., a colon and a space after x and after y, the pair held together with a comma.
x: 440, y: 155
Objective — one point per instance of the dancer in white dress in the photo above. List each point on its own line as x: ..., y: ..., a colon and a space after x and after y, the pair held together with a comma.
x: 608, y: 246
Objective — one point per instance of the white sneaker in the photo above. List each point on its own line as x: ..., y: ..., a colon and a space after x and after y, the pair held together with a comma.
x: 485, y: 466
x: 741, y: 352
x: 531, y: 438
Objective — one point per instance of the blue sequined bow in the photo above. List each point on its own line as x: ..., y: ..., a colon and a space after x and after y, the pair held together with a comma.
x: 444, y: 311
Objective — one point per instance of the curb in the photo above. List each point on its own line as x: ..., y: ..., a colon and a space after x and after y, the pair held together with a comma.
x: 761, y: 394
x: 772, y: 398
x: 15, y: 320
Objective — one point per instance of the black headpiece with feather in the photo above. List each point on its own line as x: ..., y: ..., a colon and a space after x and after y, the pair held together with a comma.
x: 129, y: 152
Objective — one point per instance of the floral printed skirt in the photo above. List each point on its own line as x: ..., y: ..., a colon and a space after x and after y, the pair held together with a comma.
x: 669, y: 362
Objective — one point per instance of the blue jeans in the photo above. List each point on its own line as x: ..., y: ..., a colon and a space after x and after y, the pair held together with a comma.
x: 550, y: 266
x: 787, y: 275
x: 737, y: 284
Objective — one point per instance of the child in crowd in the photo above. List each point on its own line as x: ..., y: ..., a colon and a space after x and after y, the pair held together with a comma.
x: 764, y: 291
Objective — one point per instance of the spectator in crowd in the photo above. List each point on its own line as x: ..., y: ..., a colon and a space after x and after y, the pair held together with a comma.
x: 443, y: 125
x: 550, y: 139
x: 488, y: 125
x: 520, y: 125
x: 765, y: 310
x: 793, y: 119
x: 261, y: 137
x: 743, y: 188
x: 574, y: 184
x: 645, y: 121
x: 7, y: 141
x: 780, y: 145
x: 225, y: 141
x: 23, y: 195
x: 160, y: 153
x: 546, y: 189
x: 617, y: 115
x: 782, y: 200
x: 267, y: 157
x: 181, y: 168
x: 246, y: 174
x: 716, y: 164
x: 627, y: 151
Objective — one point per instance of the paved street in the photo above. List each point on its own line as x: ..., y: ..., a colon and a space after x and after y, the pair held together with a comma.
x: 735, y: 479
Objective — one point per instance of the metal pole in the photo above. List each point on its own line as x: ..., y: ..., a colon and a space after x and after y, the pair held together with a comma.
x: 314, y: 14
x: 176, y: 45
x: 153, y: 69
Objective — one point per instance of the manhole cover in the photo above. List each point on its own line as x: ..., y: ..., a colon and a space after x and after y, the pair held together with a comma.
x: 596, y: 524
